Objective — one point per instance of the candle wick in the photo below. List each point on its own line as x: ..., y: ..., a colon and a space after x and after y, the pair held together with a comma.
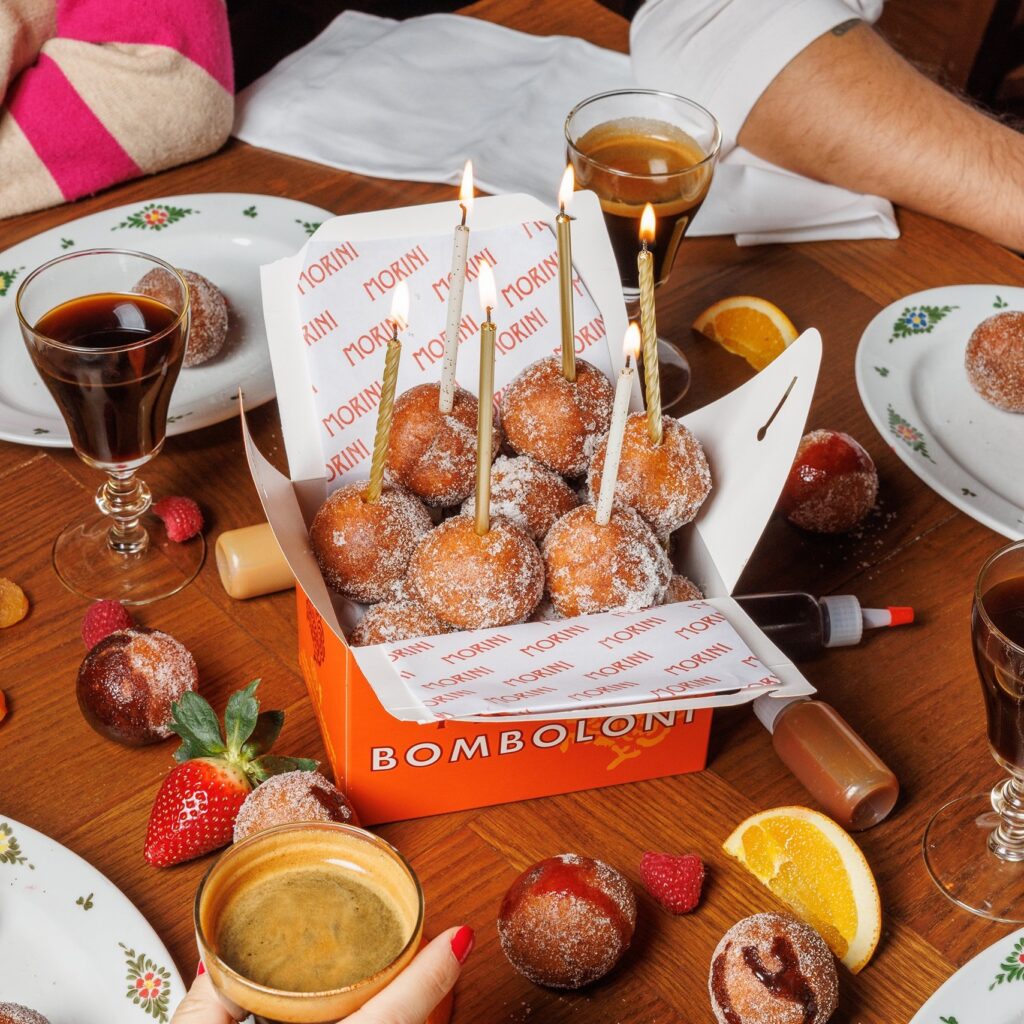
x: 643, y: 245
x: 627, y: 361
x: 488, y: 310
x: 462, y: 206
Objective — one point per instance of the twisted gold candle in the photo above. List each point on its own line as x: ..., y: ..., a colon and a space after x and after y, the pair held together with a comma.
x: 564, y: 236
x: 649, y: 327
x: 485, y: 404
x: 399, y: 319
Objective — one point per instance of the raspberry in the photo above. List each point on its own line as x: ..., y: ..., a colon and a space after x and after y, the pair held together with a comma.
x: 181, y: 517
x: 102, y: 619
x: 13, y: 603
x: 675, y: 882
x: 316, y: 632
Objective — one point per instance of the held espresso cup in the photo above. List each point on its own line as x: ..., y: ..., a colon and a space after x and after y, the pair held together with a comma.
x: 303, y: 923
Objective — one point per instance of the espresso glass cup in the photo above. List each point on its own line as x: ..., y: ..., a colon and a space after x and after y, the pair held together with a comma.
x: 276, y: 861
x: 110, y: 356
x: 974, y: 845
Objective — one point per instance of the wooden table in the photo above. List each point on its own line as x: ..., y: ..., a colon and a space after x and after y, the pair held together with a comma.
x: 912, y: 693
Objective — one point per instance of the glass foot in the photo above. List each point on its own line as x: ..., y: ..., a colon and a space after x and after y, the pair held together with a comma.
x: 86, y: 565
x: 958, y: 858
x: 674, y: 371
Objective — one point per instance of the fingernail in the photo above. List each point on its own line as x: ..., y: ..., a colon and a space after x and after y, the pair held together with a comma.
x: 462, y: 943
x: 201, y: 969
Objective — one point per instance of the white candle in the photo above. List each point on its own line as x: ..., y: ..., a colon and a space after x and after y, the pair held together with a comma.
x: 460, y: 248
x: 617, y: 430
x: 485, y: 403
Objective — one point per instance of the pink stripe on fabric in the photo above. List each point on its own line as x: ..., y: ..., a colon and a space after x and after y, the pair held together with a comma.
x: 78, y: 151
x: 198, y: 29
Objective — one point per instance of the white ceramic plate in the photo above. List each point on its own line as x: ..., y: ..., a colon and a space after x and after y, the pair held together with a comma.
x: 987, y: 990
x: 911, y: 378
x: 225, y: 236
x: 71, y: 945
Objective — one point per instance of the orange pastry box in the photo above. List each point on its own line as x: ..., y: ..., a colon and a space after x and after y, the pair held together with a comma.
x: 470, y: 719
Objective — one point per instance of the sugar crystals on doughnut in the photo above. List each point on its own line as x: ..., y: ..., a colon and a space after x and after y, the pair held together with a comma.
x: 772, y: 969
x: 681, y: 590
x: 431, y: 453
x: 528, y: 493
x: 364, y: 547
x: 553, y: 420
x: 567, y: 921
x: 208, y: 326
x: 995, y: 360
x: 593, y: 568
x: 291, y: 797
x: 392, y: 621
x: 666, y: 483
x: 474, y: 581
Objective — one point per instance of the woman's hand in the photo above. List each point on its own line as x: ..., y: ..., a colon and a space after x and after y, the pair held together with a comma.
x: 409, y: 999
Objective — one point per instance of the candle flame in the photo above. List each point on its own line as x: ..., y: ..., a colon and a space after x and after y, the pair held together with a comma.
x: 466, y: 189
x: 647, y: 224
x: 631, y: 342
x: 565, y: 190
x: 488, y: 290
x: 400, y: 307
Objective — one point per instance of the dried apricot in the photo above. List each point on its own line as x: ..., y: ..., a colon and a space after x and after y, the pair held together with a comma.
x: 13, y: 603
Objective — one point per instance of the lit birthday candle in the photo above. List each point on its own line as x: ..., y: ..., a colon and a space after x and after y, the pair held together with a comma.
x: 648, y: 326
x: 562, y: 230
x: 460, y: 248
x: 485, y: 403
x: 620, y: 411
x: 399, y: 322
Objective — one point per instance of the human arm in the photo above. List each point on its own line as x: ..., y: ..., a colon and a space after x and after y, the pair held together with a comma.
x: 409, y: 999
x: 115, y: 89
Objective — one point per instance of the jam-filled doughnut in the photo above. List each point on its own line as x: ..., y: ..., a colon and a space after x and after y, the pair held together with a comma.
x: 363, y: 547
x: 566, y: 921
x: 556, y: 421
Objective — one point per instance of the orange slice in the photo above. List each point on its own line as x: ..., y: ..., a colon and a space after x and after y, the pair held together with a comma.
x: 814, y: 867
x: 748, y: 326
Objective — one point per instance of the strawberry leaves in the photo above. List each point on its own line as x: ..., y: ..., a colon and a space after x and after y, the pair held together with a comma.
x: 194, y: 721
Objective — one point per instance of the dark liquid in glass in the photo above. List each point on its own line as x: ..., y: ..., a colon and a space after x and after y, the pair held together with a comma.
x: 651, y: 158
x: 1001, y: 668
x: 114, y: 403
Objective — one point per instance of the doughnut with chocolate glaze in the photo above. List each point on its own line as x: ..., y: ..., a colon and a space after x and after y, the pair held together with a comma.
x: 772, y: 969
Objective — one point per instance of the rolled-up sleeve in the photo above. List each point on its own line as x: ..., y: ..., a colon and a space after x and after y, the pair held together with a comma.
x: 725, y: 53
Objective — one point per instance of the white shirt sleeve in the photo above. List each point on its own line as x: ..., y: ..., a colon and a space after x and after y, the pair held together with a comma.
x: 725, y: 53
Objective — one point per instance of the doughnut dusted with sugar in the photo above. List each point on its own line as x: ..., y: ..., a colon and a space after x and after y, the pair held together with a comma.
x: 291, y: 797
x: 995, y: 360
x: 208, y: 321
x: 392, y: 621
x: 363, y: 547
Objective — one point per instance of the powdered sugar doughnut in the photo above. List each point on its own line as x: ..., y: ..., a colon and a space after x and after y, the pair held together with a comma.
x: 529, y: 494
x: 15, y: 1013
x: 208, y: 327
x: 995, y: 360
x: 567, y: 920
x: 680, y: 590
x: 391, y: 621
x: 364, y: 547
x: 128, y: 682
x: 593, y: 568
x: 291, y: 797
x: 772, y: 969
x: 547, y: 417
x: 473, y: 581
x: 434, y: 455
x: 666, y: 483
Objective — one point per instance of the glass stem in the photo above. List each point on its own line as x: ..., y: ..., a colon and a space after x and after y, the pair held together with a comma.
x: 125, y: 498
x: 1007, y: 838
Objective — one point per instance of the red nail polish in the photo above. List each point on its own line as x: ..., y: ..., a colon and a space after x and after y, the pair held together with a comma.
x: 462, y: 943
x: 201, y: 969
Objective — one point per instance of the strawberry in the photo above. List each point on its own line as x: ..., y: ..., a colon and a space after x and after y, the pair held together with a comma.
x: 195, y: 809
x: 181, y: 516
x: 102, y: 619
x: 675, y: 882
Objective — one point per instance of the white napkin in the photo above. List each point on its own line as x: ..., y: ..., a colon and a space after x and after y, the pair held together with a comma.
x: 412, y: 100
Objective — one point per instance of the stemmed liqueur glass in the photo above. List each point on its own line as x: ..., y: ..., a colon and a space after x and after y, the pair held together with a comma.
x: 110, y: 356
x: 637, y: 146
x: 974, y: 845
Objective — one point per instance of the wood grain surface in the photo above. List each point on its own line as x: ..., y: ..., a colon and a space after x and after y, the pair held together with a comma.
x: 912, y: 694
